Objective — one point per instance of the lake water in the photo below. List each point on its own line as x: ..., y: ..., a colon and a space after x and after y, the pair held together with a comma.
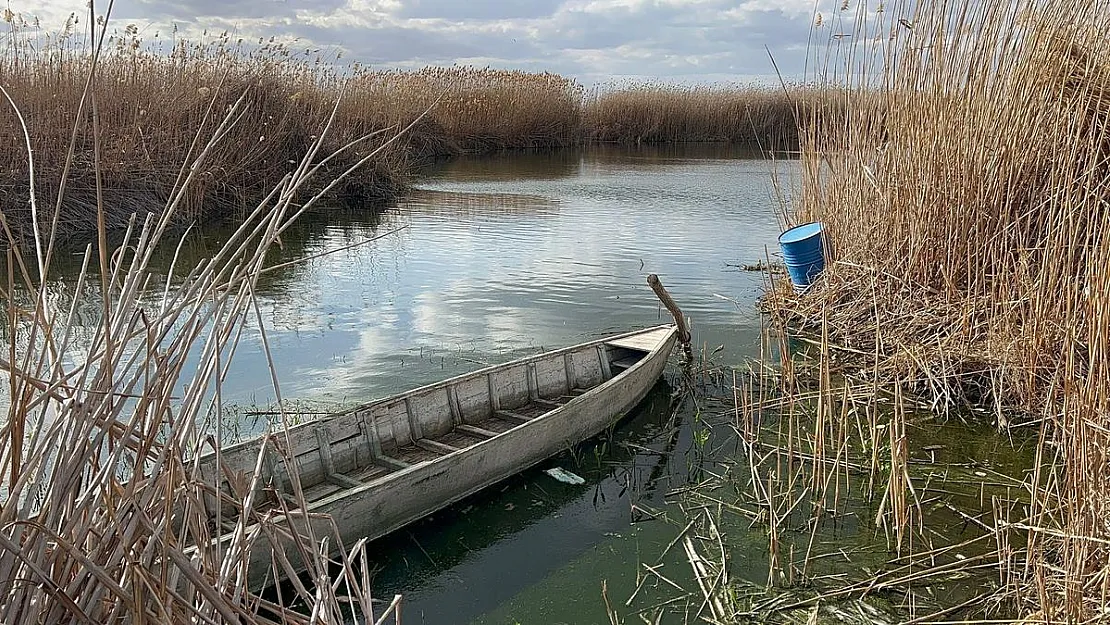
x: 503, y: 256
x: 500, y: 256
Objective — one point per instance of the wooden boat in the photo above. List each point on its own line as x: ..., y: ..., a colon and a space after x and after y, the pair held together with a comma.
x: 382, y: 465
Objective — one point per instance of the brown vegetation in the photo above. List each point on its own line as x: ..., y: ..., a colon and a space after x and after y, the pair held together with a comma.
x: 152, y: 100
x: 147, y: 110
x: 103, y: 516
x: 651, y: 113
x: 470, y: 109
x: 966, y: 202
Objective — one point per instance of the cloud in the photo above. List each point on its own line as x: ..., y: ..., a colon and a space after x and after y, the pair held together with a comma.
x: 592, y: 40
x: 477, y: 9
x: 263, y: 10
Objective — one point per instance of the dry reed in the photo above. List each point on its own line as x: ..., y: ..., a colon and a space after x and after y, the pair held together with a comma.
x: 154, y: 98
x: 659, y: 113
x: 103, y: 517
x: 156, y: 95
x: 965, y: 201
x: 474, y: 109
x: 151, y: 107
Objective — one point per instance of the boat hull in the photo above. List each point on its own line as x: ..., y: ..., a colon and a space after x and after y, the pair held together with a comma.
x: 382, y: 505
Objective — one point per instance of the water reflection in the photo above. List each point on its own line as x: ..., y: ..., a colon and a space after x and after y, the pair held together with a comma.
x: 497, y: 206
x: 661, y: 153
x: 509, y: 167
x: 496, y: 257
x: 470, y: 558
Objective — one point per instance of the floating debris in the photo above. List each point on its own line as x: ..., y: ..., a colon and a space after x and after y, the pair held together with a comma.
x: 565, y: 476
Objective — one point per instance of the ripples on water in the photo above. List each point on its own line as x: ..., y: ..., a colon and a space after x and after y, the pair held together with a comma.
x: 492, y: 264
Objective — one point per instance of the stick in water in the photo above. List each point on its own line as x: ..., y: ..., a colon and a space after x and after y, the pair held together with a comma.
x: 676, y: 312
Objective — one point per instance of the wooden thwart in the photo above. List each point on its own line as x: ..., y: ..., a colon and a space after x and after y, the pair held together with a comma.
x: 435, y: 446
x: 476, y: 431
x: 512, y: 416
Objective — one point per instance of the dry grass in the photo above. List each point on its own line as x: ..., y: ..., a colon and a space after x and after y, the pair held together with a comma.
x: 966, y: 201
x: 148, y: 110
x: 474, y: 110
x: 655, y: 113
x: 151, y: 101
x: 103, y: 517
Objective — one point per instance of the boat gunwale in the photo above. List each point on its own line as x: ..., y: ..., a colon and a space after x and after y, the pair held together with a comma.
x: 391, y: 399
x: 324, y: 505
x: 398, y: 474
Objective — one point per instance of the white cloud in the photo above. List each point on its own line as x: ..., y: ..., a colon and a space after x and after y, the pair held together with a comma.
x: 592, y: 40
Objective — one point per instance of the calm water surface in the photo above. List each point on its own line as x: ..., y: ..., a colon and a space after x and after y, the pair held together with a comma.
x: 503, y: 256
x: 507, y: 255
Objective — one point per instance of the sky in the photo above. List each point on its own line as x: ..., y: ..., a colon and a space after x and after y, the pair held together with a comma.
x: 594, y: 41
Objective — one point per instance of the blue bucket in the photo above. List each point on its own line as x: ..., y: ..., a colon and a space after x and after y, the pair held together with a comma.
x: 803, y: 253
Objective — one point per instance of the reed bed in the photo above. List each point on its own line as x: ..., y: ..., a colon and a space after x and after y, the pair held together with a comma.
x: 474, y: 109
x: 103, y: 516
x: 153, y: 98
x: 149, y: 107
x: 861, y: 512
x: 156, y: 94
x: 965, y: 203
x: 660, y: 113
x: 871, y: 512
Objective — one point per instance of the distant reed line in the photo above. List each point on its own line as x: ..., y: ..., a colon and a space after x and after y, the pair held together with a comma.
x: 149, y: 106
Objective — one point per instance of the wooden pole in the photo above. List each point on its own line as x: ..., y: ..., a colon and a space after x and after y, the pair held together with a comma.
x: 676, y: 312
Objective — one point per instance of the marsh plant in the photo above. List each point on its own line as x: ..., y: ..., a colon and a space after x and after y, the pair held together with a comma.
x: 964, y: 200
x: 643, y: 113
x: 158, y: 91
x: 103, y: 517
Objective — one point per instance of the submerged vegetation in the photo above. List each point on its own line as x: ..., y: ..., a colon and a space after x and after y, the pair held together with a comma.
x: 154, y: 97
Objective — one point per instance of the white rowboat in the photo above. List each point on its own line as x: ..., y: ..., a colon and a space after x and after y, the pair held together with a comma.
x: 382, y: 465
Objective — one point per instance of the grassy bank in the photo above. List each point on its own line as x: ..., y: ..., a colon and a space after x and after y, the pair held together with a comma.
x: 153, y: 100
x: 966, y: 206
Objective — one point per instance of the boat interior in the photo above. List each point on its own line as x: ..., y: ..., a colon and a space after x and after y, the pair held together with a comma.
x: 368, y: 443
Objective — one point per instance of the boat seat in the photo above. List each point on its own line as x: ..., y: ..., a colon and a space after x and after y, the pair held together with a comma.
x: 391, y: 463
x: 435, y: 446
x: 512, y: 416
x: 475, y: 430
x: 641, y: 342
x: 626, y: 362
x: 339, y: 479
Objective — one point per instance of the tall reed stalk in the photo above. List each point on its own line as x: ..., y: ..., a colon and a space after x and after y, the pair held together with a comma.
x: 965, y: 200
x: 103, y: 517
